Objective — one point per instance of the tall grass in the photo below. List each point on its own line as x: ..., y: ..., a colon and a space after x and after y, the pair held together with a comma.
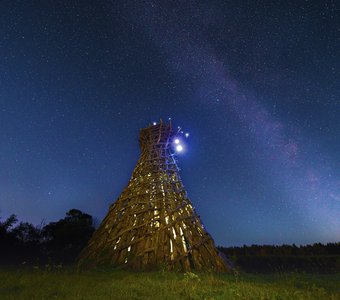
x: 56, y: 283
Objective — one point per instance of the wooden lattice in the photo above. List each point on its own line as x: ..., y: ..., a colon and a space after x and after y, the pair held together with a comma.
x: 153, y: 223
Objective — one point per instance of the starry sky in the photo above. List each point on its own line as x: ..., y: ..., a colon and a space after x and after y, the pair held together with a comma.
x: 255, y: 83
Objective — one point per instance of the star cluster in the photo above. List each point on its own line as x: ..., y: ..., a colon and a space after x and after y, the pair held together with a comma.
x: 255, y: 84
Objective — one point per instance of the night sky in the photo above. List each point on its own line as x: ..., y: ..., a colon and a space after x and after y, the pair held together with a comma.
x: 255, y: 84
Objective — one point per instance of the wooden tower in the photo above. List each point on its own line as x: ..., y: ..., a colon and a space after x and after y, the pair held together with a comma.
x: 153, y: 223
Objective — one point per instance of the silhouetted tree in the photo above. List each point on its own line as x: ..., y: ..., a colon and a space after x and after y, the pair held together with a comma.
x: 59, y: 242
x: 27, y: 233
x: 6, y: 225
x: 9, y: 243
x: 65, y: 239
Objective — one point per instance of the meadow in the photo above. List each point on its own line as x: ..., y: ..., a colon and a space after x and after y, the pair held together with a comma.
x: 67, y: 283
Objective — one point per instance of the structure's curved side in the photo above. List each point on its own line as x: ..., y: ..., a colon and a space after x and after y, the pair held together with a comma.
x: 153, y: 223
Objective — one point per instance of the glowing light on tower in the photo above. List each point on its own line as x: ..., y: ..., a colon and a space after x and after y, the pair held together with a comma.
x: 179, y: 148
x: 178, y: 142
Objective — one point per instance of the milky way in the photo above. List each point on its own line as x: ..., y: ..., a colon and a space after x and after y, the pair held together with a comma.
x: 310, y: 183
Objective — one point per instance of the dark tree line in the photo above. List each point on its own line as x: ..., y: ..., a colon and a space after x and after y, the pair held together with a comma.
x: 57, y: 242
x: 286, y: 258
x: 61, y: 242
x: 284, y: 250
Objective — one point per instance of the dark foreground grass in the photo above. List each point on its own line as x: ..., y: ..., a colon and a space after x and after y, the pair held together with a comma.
x: 103, y: 284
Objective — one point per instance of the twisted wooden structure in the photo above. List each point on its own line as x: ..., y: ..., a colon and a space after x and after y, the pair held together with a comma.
x: 153, y: 223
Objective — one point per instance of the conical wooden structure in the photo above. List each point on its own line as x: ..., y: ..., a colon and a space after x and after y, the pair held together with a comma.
x: 153, y: 223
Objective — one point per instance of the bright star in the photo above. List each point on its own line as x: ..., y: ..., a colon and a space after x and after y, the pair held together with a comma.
x: 176, y: 141
x: 179, y: 148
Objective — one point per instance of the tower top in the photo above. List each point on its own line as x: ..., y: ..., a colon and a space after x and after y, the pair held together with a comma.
x: 156, y: 134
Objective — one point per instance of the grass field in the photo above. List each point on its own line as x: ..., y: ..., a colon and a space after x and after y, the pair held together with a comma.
x: 103, y: 284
